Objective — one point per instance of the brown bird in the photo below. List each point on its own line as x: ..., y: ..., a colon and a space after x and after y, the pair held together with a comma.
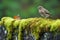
x: 43, y: 12
x: 17, y: 17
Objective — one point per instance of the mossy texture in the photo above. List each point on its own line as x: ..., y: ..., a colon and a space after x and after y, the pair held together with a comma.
x: 35, y: 25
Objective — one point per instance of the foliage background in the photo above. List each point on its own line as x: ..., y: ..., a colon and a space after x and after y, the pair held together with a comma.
x: 28, y: 8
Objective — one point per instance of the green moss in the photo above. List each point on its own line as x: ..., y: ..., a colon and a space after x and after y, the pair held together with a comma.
x: 37, y: 25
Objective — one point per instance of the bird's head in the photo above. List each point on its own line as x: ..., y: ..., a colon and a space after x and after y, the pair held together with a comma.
x: 40, y: 7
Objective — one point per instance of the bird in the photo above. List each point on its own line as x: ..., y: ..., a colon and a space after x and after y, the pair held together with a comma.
x: 44, y: 12
x: 17, y: 17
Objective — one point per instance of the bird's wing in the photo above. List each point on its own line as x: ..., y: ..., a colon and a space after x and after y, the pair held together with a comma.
x: 47, y: 12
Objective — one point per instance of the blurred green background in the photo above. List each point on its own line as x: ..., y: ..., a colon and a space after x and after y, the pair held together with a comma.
x: 28, y: 8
